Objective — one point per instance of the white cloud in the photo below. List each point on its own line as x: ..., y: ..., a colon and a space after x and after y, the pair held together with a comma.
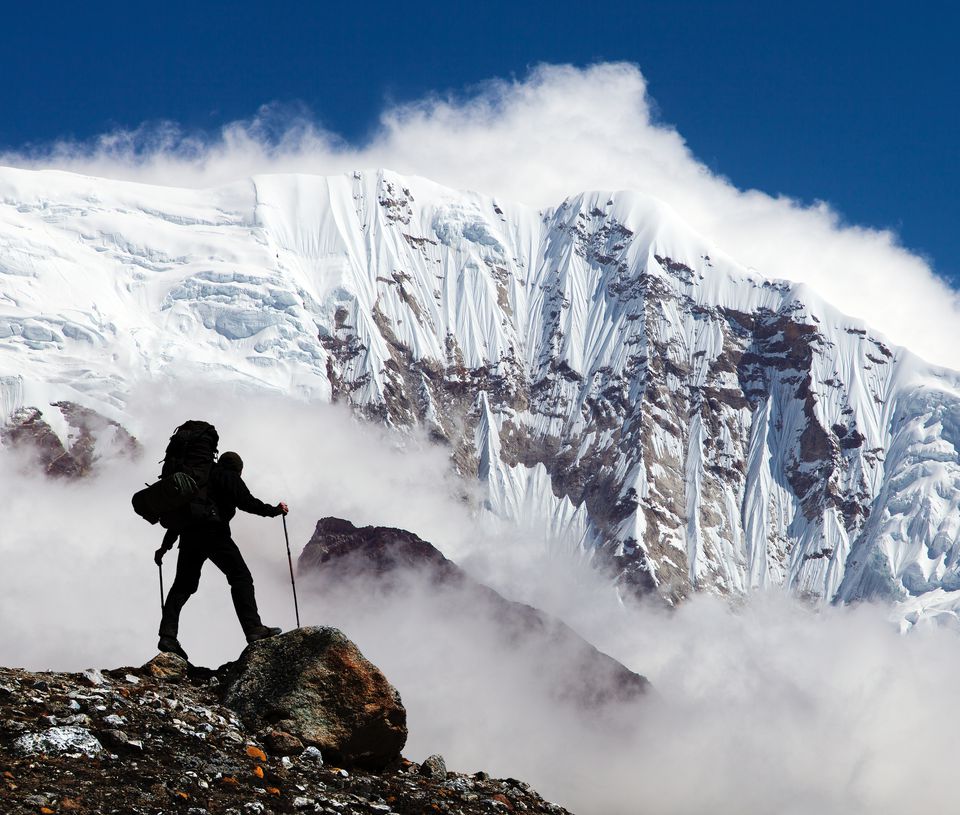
x: 557, y: 132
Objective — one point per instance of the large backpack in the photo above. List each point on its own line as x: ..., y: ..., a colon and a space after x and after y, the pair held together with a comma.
x: 179, y: 498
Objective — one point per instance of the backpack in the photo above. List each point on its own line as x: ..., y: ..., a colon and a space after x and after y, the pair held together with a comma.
x: 179, y: 498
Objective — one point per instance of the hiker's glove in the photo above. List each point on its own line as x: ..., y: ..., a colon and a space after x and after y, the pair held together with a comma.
x: 158, y: 556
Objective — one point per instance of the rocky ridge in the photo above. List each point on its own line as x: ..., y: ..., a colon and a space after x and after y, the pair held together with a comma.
x: 160, y: 738
x: 86, y: 437
x: 382, y: 561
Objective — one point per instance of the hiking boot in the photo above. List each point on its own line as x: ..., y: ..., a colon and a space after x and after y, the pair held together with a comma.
x: 171, y: 645
x: 261, y: 632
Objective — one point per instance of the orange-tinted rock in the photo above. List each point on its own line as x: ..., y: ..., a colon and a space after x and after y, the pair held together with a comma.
x: 167, y: 666
x: 326, y: 692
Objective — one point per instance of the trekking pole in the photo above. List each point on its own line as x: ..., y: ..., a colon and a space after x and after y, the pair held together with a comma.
x: 293, y: 583
x: 160, y: 569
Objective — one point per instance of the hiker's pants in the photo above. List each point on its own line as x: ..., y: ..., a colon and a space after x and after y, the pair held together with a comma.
x: 198, y: 545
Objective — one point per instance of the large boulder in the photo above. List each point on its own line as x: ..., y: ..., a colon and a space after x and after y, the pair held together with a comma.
x: 326, y: 693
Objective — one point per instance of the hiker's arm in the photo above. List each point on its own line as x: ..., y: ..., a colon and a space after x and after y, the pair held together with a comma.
x: 245, y: 501
x: 168, y: 540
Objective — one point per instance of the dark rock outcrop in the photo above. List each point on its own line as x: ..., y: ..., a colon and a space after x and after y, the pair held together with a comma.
x: 341, y: 550
x: 326, y: 693
x: 383, y: 558
x: 90, y: 436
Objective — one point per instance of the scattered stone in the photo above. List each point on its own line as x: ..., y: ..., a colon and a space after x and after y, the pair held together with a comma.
x: 460, y: 783
x: 281, y: 743
x: 118, y: 740
x: 434, y: 767
x: 501, y: 800
x: 79, y: 720
x: 256, y: 753
x: 312, y: 754
x: 335, y: 698
x: 167, y: 666
x: 65, y: 740
x: 95, y: 677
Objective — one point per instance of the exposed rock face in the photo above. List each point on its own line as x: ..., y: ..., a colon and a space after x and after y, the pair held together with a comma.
x: 129, y: 741
x: 325, y: 692
x: 89, y: 437
x: 383, y: 558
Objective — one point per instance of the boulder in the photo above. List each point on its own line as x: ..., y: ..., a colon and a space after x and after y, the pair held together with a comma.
x: 281, y: 743
x: 434, y: 767
x: 167, y: 666
x: 71, y: 741
x: 326, y: 693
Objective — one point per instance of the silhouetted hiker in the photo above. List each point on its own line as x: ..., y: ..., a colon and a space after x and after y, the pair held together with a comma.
x: 210, y: 540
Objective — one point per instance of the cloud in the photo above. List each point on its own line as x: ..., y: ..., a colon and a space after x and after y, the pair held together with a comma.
x: 558, y: 131
x: 766, y: 706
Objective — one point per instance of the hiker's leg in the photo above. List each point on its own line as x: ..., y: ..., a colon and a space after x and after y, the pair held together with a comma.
x: 227, y: 558
x: 189, y: 563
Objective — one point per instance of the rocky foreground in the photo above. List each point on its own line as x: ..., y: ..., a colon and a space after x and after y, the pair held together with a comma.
x: 300, y: 723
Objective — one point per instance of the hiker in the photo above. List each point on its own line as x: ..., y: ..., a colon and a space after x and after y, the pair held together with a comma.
x: 209, y: 539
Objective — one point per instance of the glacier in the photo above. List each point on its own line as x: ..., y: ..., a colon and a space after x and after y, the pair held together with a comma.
x: 597, y: 367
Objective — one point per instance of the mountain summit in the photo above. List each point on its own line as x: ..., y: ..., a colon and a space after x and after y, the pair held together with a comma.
x: 599, y: 367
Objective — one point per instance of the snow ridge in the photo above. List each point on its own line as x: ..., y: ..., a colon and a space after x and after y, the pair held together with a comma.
x: 599, y: 367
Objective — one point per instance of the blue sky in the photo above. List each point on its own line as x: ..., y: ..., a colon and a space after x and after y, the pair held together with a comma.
x: 851, y: 103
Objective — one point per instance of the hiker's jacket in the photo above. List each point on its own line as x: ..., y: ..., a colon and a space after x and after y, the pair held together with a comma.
x: 228, y: 493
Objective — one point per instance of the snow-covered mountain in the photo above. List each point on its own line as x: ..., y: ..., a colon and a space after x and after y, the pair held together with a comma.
x: 599, y: 367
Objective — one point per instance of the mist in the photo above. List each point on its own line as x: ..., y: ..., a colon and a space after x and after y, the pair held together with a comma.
x: 558, y: 131
x: 765, y: 706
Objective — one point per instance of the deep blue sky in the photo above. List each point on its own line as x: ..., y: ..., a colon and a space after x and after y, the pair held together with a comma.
x: 853, y: 103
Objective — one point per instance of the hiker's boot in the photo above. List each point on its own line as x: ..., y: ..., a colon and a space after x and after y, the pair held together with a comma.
x: 261, y: 632
x: 171, y: 645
